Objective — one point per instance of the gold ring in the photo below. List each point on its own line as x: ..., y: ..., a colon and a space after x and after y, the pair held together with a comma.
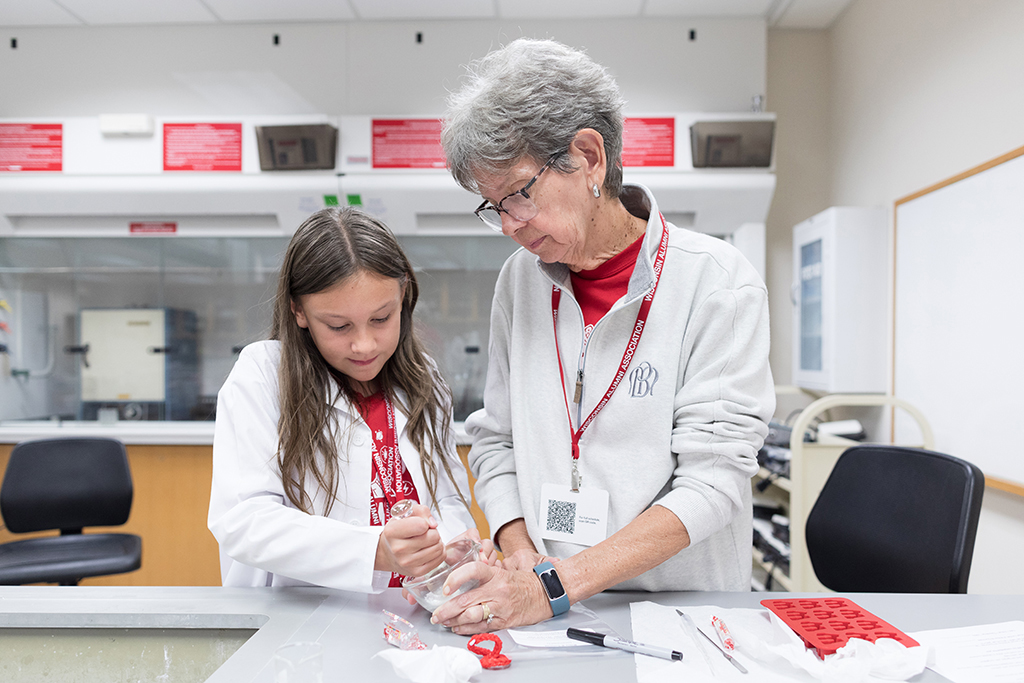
x: 487, y: 613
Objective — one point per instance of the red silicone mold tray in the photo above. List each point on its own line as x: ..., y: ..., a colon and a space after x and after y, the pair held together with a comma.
x: 826, y: 624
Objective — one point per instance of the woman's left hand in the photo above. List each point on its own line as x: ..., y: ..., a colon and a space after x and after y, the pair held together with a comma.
x: 512, y: 598
x: 488, y: 553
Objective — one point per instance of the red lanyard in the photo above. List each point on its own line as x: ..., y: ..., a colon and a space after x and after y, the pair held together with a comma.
x: 386, y: 458
x: 389, y: 462
x: 395, y: 482
x: 627, y: 356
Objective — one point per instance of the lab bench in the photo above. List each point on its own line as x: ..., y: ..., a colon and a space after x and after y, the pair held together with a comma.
x: 350, y: 626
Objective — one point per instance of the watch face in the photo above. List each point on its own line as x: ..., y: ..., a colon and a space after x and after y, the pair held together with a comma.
x: 552, y: 585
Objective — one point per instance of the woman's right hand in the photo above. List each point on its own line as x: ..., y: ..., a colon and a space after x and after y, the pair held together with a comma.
x: 410, y: 546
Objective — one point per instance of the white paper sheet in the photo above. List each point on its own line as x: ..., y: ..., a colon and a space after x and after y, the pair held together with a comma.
x: 993, y: 653
x: 660, y: 625
x: 544, y: 638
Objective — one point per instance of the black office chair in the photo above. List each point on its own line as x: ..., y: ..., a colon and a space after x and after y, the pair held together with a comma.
x: 896, y: 520
x: 67, y: 484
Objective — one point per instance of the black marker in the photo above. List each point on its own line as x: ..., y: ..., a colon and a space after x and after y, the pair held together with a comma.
x: 601, y: 639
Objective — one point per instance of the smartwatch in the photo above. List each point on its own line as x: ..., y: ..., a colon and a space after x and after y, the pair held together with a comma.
x: 553, y: 587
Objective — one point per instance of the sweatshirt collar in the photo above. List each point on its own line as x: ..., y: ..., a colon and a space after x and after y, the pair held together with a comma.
x: 638, y: 200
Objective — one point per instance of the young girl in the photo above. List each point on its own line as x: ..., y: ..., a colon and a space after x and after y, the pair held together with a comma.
x: 341, y: 414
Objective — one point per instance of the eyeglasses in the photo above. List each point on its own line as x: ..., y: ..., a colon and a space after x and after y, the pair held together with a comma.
x: 518, y: 204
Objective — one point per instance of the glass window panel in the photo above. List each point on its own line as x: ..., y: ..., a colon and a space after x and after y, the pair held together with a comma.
x: 810, y: 306
x: 226, y: 286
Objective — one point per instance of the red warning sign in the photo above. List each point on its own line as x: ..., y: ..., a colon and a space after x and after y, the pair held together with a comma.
x: 31, y: 146
x: 649, y: 142
x: 407, y: 143
x: 202, y: 146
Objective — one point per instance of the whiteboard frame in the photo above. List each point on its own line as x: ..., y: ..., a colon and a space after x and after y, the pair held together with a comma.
x: 1013, y: 487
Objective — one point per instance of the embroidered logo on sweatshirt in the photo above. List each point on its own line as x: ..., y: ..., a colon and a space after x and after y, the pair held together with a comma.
x: 642, y: 379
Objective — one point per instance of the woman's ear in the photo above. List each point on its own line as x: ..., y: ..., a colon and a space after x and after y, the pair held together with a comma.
x: 300, y: 316
x: 589, y: 149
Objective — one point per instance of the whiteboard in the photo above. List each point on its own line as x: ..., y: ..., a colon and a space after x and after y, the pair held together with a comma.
x: 958, y: 348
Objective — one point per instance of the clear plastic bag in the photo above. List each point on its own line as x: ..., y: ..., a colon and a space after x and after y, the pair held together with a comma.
x: 578, y: 616
x: 401, y: 633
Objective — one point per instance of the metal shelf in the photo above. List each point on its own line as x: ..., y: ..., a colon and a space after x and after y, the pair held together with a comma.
x: 778, y: 482
x: 778, y: 576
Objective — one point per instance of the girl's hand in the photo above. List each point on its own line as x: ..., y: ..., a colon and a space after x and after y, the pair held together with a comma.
x: 410, y: 546
x: 488, y: 555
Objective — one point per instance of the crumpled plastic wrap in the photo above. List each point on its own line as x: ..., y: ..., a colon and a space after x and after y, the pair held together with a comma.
x: 437, y: 665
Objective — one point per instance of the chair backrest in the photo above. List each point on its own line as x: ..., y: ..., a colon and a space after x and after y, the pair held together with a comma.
x: 66, y: 484
x: 896, y: 520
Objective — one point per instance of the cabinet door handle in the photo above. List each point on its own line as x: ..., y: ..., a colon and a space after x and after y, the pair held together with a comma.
x: 83, y: 350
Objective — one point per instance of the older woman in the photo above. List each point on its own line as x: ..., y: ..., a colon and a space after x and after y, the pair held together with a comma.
x: 628, y: 388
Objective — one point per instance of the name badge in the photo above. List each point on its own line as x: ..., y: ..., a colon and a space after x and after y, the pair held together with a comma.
x: 577, y: 517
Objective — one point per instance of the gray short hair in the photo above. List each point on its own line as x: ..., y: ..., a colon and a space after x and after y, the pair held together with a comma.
x: 528, y: 100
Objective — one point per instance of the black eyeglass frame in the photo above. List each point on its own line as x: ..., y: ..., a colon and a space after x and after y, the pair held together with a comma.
x: 498, y: 208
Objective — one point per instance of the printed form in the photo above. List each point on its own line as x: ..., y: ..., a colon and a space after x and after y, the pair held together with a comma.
x: 993, y: 653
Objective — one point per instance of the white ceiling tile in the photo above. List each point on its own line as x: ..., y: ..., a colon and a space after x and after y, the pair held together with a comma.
x: 275, y: 10
x: 708, y: 8
x: 780, y: 13
x: 567, y: 9
x: 423, y: 9
x: 103, y: 12
x: 34, y: 13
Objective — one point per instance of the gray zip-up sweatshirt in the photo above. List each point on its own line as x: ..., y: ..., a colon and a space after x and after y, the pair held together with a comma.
x: 682, y: 429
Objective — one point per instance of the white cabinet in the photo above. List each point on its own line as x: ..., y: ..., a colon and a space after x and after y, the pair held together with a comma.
x: 840, y: 281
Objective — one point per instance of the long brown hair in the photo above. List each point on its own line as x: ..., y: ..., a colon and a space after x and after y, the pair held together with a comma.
x: 331, y: 246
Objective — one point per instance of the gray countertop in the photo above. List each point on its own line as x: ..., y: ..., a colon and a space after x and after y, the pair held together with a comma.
x: 350, y: 625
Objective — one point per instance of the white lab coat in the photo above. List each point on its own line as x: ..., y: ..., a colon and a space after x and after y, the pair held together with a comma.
x: 264, y: 540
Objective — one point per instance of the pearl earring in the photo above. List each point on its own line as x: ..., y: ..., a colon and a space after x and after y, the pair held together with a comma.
x: 597, y: 192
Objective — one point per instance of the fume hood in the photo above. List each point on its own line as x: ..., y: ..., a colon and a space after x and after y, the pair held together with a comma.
x: 201, y: 205
x: 115, y: 186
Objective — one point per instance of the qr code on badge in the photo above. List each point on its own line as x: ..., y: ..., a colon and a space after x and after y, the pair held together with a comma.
x: 561, y: 516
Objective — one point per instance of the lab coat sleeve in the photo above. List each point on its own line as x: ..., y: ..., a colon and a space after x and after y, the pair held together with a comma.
x: 492, y: 457
x: 722, y: 407
x: 249, y: 514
